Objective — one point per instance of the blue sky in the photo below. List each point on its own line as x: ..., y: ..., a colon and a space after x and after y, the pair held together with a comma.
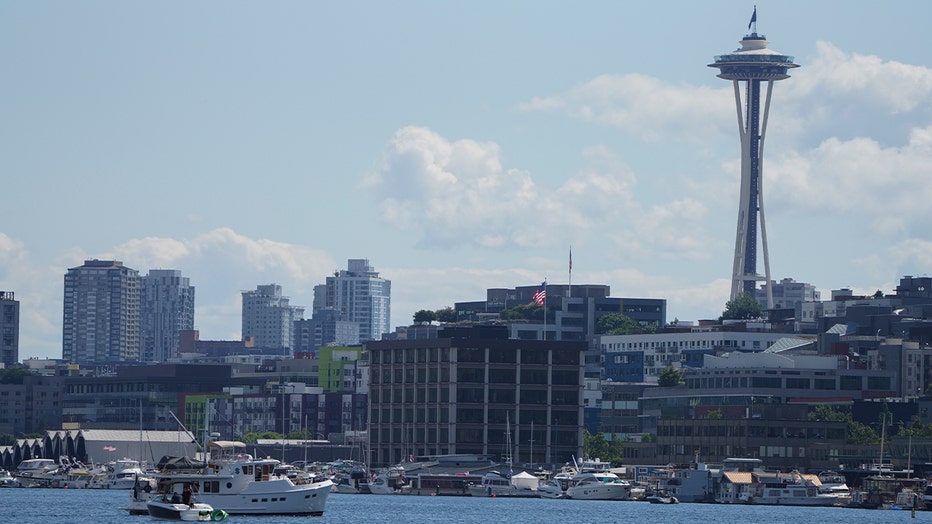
x: 456, y: 145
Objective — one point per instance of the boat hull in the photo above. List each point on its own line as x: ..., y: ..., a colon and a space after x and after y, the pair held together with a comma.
x: 274, y: 497
x: 606, y: 492
x: 198, y: 512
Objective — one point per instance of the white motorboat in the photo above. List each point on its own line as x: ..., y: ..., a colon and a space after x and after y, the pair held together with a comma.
x: 551, y: 490
x: 36, y: 473
x: 390, y: 481
x: 7, y: 480
x: 661, y: 498
x: 598, y: 485
x: 497, y: 484
x: 240, y: 484
x: 833, y: 483
x: 124, y: 474
x: 556, y: 487
x: 168, y: 507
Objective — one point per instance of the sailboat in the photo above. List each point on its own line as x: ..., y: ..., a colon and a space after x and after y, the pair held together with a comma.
x: 886, y: 490
x: 498, y: 484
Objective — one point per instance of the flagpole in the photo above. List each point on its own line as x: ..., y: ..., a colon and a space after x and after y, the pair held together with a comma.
x: 545, y: 308
x: 569, y: 292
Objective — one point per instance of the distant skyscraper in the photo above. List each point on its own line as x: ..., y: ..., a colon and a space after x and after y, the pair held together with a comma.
x: 101, y: 313
x: 167, y: 307
x: 325, y: 329
x: 359, y: 295
x: 9, y: 328
x: 268, y: 318
x: 752, y: 64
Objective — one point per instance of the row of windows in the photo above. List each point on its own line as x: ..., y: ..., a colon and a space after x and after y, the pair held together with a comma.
x: 663, y: 344
x: 844, y: 383
x: 476, y: 355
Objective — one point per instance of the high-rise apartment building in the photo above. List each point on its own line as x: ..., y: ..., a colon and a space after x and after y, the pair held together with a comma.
x: 101, y: 313
x: 359, y: 295
x: 325, y: 329
x: 167, y: 307
x: 269, y: 318
x: 9, y: 328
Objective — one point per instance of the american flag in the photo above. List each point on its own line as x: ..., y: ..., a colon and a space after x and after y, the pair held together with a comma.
x: 541, y: 294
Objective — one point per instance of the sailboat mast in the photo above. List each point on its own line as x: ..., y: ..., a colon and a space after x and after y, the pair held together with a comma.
x: 509, y: 457
x: 531, y: 451
x: 883, y: 436
x: 140, y: 431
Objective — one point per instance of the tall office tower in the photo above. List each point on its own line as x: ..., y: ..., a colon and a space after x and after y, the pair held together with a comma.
x: 359, y: 295
x: 268, y: 318
x: 167, y: 307
x: 101, y: 313
x: 752, y: 64
x: 9, y: 328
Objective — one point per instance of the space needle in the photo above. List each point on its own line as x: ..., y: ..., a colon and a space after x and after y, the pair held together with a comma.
x: 752, y: 64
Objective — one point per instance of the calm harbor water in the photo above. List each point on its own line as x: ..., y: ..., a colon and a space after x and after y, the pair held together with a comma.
x: 41, y: 506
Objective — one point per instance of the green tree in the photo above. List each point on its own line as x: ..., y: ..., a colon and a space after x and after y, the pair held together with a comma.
x: 828, y: 413
x: 597, y: 446
x: 715, y: 414
x: 616, y: 324
x: 7, y: 439
x: 425, y: 315
x: 300, y: 434
x: 858, y: 433
x: 14, y: 374
x: 742, y: 307
x: 446, y: 314
x: 530, y: 312
x: 669, y: 377
x: 252, y: 437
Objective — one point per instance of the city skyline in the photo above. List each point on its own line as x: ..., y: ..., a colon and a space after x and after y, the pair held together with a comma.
x: 457, y: 147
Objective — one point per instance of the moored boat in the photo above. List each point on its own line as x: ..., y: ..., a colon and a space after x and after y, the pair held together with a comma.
x: 794, y: 489
x: 598, y: 485
x: 390, y: 481
x: 36, y: 473
x: 497, y: 484
x: 124, y: 473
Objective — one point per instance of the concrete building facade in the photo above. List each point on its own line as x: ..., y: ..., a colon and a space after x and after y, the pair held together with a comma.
x: 359, y: 295
x: 167, y: 308
x: 268, y: 318
x: 469, y: 389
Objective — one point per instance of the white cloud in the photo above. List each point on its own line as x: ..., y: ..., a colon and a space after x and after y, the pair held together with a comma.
x: 459, y: 193
x: 834, y: 76
x: 644, y: 106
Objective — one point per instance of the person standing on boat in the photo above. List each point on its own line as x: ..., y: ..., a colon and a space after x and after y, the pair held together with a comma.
x: 186, y: 495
